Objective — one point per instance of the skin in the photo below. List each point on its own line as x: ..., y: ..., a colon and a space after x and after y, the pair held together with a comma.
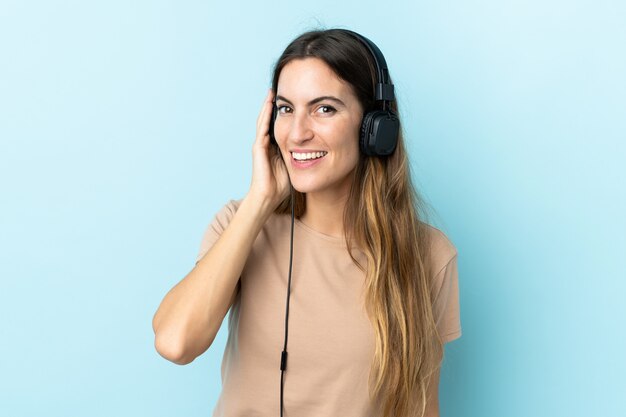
x: 328, y: 126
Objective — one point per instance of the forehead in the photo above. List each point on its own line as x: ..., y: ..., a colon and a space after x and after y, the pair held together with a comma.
x: 311, y: 77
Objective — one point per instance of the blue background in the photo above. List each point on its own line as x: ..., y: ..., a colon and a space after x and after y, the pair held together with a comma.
x: 125, y: 126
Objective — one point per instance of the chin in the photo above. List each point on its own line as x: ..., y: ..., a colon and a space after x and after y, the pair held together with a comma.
x: 303, y: 189
x: 319, y: 183
x: 305, y: 186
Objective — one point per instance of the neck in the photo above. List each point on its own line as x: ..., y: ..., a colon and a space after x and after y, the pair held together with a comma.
x: 324, y: 213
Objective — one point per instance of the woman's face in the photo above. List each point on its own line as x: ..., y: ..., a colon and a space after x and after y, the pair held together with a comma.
x: 317, y: 112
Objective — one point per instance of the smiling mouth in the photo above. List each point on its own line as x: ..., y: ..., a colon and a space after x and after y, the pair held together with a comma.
x: 308, y: 156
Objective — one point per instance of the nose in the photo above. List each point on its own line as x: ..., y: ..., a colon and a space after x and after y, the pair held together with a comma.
x: 299, y: 128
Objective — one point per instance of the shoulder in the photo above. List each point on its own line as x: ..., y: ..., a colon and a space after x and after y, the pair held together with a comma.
x: 274, y: 224
x: 233, y: 204
x: 228, y: 210
x: 442, y: 250
x: 221, y: 218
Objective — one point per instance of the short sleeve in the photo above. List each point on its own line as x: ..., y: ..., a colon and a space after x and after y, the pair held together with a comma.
x: 217, y: 226
x: 446, y: 307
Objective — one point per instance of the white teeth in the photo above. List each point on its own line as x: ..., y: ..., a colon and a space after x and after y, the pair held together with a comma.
x: 308, y: 155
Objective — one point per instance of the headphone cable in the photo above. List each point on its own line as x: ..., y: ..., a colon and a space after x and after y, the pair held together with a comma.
x: 283, y: 356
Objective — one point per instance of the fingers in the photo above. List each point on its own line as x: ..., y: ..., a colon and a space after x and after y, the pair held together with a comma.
x: 262, y: 124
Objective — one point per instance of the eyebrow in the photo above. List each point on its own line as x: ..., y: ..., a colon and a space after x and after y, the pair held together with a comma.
x: 315, y: 100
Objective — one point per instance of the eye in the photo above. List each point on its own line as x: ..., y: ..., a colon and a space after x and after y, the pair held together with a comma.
x: 331, y: 109
x: 282, y: 107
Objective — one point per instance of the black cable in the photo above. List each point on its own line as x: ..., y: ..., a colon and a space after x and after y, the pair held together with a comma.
x: 283, y: 356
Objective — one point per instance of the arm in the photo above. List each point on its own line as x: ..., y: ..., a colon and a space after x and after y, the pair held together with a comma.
x: 192, y: 312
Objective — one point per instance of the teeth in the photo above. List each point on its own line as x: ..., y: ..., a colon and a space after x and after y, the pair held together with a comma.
x: 309, y: 155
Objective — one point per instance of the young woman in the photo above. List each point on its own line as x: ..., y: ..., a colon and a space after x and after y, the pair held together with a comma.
x: 373, y: 289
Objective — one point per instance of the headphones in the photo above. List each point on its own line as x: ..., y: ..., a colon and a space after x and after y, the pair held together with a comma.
x: 379, y: 128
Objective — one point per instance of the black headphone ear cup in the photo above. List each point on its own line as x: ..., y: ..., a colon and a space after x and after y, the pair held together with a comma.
x: 273, y: 121
x: 379, y: 133
x: 364, y: 138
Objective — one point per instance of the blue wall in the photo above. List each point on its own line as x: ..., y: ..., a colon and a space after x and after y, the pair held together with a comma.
x: 124, y: 126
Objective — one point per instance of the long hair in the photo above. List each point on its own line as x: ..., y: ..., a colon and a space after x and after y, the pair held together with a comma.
x: 383, y: 218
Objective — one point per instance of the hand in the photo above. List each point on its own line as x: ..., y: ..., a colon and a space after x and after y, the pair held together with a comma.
x: 270, y: 179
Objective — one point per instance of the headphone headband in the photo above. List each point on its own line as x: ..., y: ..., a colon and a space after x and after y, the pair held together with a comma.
x: 384, y: 89
x: 379, y: 128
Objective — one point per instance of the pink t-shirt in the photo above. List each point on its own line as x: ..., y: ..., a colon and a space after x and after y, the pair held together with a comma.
x: 331, y: 341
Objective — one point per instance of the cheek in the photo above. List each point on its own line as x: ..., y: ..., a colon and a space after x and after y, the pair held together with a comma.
x: 354, y: 157
x: 350, y: 145
x: 344, y: 138
x: 280, y: 141
x: 280, y: 133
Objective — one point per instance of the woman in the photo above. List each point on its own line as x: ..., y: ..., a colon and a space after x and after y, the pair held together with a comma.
x: 373, y: 289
